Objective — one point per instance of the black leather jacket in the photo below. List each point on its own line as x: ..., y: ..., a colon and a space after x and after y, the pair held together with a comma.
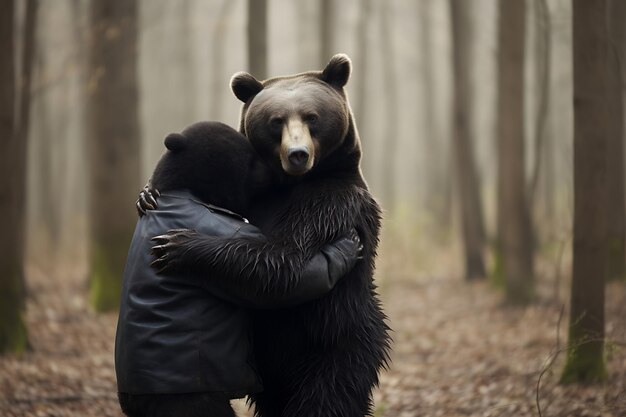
x: 179, y: 334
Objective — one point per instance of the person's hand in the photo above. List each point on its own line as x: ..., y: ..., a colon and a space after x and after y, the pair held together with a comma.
x: 170, y: 248
x: 147, y: 199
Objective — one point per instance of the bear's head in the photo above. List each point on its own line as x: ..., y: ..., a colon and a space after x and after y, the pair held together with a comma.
x: 301, y: 123
x: 213, y: 161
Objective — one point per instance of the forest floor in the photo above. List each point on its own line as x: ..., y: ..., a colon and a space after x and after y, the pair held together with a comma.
x: 457, y: 352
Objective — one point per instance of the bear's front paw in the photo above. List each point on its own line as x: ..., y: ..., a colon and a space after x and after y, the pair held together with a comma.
x: 170, y: 249
x: 147, y: 199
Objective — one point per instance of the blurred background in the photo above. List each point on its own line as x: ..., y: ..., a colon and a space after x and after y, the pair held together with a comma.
x: 466, y: 114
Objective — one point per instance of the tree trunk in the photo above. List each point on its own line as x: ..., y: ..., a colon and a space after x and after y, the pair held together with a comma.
x: 514, y: 234
x: 542, y: 172
x: 436, y: 169
x: 592, y: 118
x: 48, y: 182
x: 543, y: 28
x: 257, y: 38
x: 360, y: 108
x: 391, y: 105
x: 362, y: 59
x: 467, y: 177
x: 13, y: 336
x: 616, y: 212
x: 219, y: 59
x: 113, y: 132
x: 327, y: 26
x: 186, y: 58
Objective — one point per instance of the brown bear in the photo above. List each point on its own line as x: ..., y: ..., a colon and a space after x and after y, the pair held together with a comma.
x: 321, y: 358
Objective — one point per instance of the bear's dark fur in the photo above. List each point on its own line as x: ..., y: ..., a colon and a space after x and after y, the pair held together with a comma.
x: 320, y: 359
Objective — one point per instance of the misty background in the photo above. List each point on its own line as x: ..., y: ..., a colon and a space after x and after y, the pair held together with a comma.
x: 188, y: 50
x: 480, y: 314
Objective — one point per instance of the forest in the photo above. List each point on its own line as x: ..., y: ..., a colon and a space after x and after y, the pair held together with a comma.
x: 492, y: 135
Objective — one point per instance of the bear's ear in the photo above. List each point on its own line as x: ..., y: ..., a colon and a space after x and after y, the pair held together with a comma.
x: 337, y: 72
x: 245, y: 86
x: 175, y: 142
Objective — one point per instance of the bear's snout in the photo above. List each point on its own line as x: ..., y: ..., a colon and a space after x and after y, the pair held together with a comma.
x: 298, y: 156
x: 297, y: 151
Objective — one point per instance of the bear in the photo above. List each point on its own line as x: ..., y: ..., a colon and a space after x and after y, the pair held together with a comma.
x: 183, y: 342
x: 321, y: 358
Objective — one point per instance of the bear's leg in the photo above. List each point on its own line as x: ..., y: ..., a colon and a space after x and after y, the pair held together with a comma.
x: 174, y: 405
x: 337, y: 384
x: 268, y: 403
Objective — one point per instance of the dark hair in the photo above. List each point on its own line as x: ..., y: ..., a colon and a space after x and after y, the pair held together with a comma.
x: 213, y: 161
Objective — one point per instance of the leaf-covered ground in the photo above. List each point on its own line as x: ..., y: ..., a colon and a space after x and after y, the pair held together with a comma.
x: 457, y: 352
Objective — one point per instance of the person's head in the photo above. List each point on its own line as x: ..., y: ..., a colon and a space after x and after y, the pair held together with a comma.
x: 213, y: 161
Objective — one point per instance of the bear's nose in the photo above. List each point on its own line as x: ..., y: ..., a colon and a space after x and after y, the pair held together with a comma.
x: 298, y: 156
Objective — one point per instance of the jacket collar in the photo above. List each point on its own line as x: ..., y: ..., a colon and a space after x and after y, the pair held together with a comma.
x: 186, y: 194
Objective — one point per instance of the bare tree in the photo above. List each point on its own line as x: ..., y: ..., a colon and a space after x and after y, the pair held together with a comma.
x: 543, y: 27
x: 257, y: 38
x: 467, y: 177
x: 47, y: 177
x: 362, y: 59
x: 514, y: 233
x: 113, y: 132
x: 542, y: 175
x: 437, y: 187
x: 186, y: 56
x: 14, y: 134
x: 391, y: 104
x: 592, y: 114
x: 327, y: 27
x: 616, y: 212
x: 360, y: 107
x: 219, y: 58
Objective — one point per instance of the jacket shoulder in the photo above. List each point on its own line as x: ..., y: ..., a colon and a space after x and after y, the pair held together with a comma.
x: 182, y: 210
x: 223, y: 219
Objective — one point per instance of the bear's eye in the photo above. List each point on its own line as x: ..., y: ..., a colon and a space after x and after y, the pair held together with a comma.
x: 310, y: 118
x: 276, y: 122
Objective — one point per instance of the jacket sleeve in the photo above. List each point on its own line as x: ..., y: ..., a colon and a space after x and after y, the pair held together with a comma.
x: 274, y: 263
x: 319, y: 277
